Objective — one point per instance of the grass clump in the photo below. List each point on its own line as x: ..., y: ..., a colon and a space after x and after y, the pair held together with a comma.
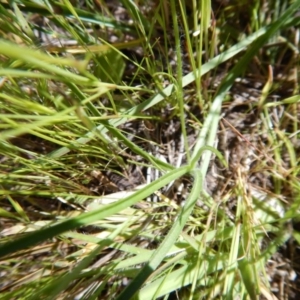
x: 149, y: 150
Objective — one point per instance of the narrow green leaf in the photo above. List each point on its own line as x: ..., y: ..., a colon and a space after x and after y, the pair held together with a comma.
x: 89, y: 217
x: 167, y: 243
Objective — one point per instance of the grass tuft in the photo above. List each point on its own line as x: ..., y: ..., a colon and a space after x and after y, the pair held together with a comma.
x: 149, y: 150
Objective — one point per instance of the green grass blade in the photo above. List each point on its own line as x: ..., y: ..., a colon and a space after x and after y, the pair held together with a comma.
x: 171, y: 237
x: 90, y: 217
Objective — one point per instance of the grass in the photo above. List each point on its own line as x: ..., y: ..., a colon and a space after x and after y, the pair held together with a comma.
x: 112, y: 91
